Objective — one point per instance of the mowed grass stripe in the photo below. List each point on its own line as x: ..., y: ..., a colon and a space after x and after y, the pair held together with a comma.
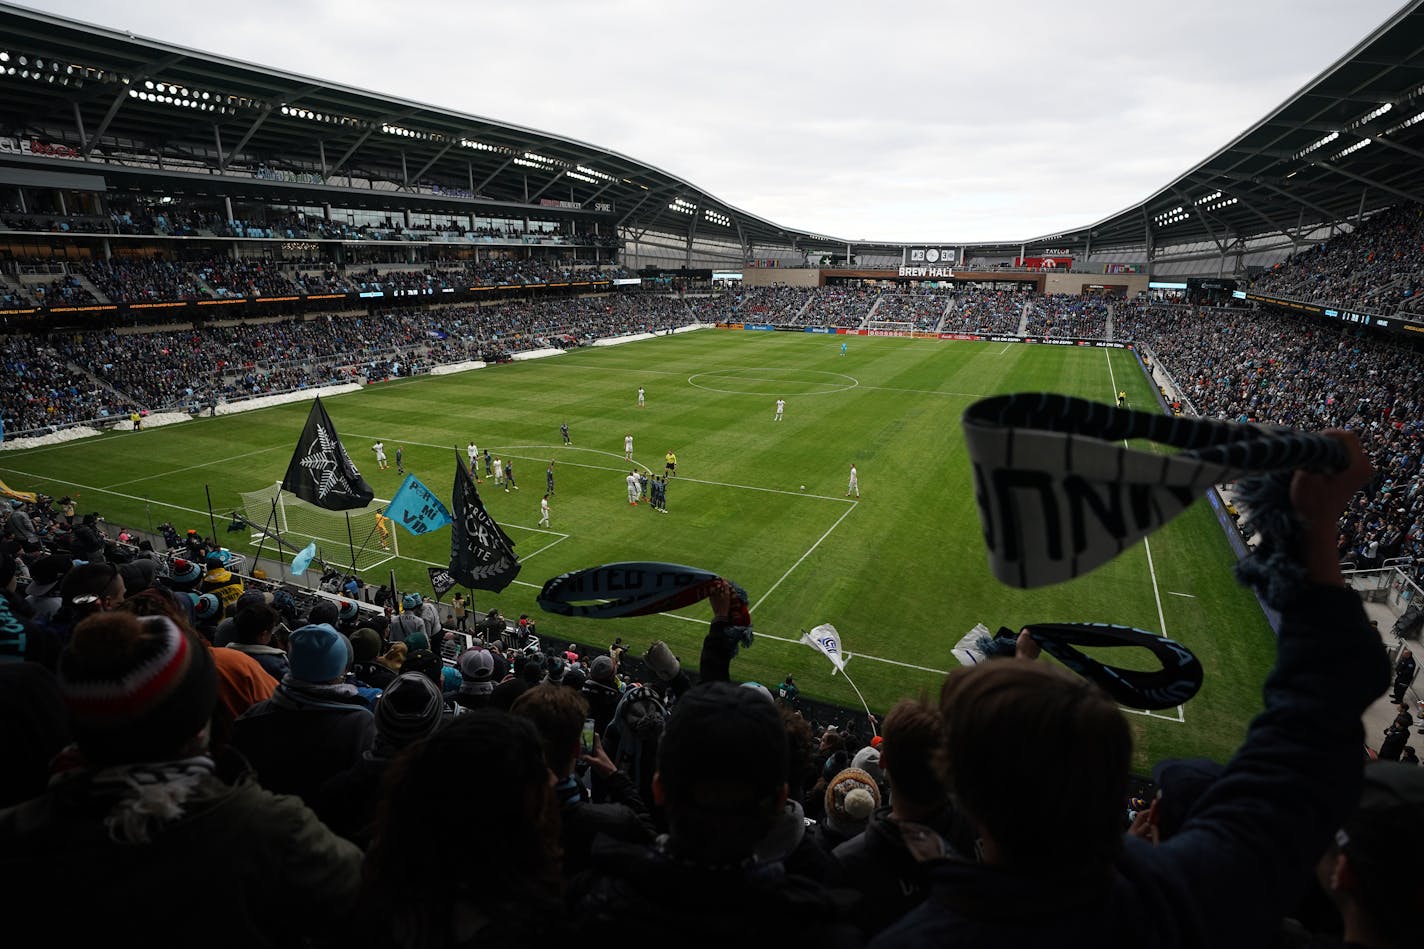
x: 903, y: 576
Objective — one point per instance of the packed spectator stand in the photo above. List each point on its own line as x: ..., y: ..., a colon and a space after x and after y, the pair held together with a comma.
x: 984, y: 310
x: 923, y: 309
x: 1063, y: 315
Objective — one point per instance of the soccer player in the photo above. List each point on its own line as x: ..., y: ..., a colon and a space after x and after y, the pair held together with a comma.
x: 662, y: 495
x: 854, y: 482
x: 643, y: 485
x: 1121, y: 399
x: 564, y: 431
x: 632, y: 480
x: 474, y: 451
x: 640, y: 397
x: 380, y: 449
x: 549, y: 479
x: 671, y: 466
x: 843, y: 345
x: 487, y: 463
x: 400, y: 463
x: 509, y: 476
x: 544, y: 511
x: 780, y: 407
x: 498, y: 472
x: 628, y: 447
x: 383, y: 528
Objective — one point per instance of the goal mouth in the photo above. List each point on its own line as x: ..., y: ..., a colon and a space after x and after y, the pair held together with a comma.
x: 362, y: 539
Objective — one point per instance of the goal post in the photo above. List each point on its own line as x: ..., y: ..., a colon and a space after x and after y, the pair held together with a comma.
x: 272, y: 513
x: 890, y: 327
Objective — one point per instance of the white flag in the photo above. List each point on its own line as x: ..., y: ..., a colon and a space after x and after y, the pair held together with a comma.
x: 828, y: 641
x: 967, y: 650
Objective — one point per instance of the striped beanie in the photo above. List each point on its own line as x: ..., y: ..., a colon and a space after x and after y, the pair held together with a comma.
x: 410, y: 709
x: 136, y: 688
x: 347, y: 611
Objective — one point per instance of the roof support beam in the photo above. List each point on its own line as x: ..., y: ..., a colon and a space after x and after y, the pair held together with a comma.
x: 246, y: 137
x: 426, y: 167
x: 1407, y: 195
x: 123, y: 94
x: 547, y: 185
x: 351, y: 151
x: 485, y: 183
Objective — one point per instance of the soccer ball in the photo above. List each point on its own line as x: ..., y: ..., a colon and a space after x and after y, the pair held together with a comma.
x: 803, y: 487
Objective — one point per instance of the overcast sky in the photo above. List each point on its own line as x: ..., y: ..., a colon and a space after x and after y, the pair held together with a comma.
x: 898, y: 121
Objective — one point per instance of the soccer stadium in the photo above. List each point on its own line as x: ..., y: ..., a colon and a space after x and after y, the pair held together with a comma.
x: 374, y: 472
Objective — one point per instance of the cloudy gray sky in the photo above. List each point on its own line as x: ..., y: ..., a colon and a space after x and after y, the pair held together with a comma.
x: 899, y: 121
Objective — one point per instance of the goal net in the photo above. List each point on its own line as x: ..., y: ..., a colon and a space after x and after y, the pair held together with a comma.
x: 372, y: 537
x: 889, y: 328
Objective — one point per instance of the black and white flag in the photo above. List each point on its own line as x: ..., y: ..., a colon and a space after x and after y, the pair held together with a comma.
x: 440, y: 581
x: 321, y: 472
x: 481, y: 554
x: 1060, y: 493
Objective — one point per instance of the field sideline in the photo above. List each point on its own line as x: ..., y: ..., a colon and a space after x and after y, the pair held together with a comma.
x: 901, y: 572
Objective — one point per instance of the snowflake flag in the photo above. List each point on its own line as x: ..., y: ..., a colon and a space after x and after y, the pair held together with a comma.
x: 481, y: 555
x: 321, y: 472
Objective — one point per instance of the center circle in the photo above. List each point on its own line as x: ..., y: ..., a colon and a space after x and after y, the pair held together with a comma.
x: 772, y: 381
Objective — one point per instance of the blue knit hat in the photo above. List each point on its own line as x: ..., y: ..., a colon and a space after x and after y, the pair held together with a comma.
x: 348, y: 611
x: 318, y: 653
x: 417, y: 641
x: 411, y: 601
x: 208, y: 609
x: 184, y: 571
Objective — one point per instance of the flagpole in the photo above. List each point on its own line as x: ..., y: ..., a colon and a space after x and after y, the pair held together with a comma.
x: 868, y: 716
x: 350, y: 543
x: 211, y: 521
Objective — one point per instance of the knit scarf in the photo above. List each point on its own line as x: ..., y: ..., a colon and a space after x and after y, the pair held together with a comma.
x: 297, y: 696
x: 142, y: 797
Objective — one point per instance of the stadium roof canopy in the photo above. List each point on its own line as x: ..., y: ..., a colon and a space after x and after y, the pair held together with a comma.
x: 1350, y: 140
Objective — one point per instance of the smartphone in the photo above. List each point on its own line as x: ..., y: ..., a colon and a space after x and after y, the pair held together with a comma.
x: 588, y: 729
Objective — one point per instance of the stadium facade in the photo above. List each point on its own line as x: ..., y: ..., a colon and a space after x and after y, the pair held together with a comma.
x: 113, y: 145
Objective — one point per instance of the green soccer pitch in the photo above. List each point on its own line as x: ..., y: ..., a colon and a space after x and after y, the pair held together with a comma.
x: 901, y: 573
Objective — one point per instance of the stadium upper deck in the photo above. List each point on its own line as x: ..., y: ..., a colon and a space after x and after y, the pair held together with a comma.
x: 92, y: 115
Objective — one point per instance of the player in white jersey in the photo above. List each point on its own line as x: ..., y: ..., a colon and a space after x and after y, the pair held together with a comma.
x: 544, y: 511
x: 474, y: 452
x: 633, y: 487
x: 628, y: 447
x: 380, y: 449
x: 498, y: 472
x: 780, y: 407
x: 854, y: 485
x: 640, y: 397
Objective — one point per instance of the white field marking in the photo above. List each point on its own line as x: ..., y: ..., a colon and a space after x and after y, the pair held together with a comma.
x: 1147, y: 546
x: 1002, y: 351
x: 220, y: 461
x: 783, y: 639
x: 1189, y: 595
x: 768, y: 593
x: 619, y: 455
x: 735, y: 374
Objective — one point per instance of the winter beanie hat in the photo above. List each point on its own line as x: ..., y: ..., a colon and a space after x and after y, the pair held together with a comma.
x: 318, y: 653
x: 366, y: 644
x: 410, y: 709
x: 602, y: 670
x: 208, y: 609
x: 136, y: 688
x: 184, y: 571
x: 348, y: 611
x: 851, y: 797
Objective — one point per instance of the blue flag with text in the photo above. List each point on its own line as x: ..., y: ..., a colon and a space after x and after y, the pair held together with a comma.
x: 416, y: 508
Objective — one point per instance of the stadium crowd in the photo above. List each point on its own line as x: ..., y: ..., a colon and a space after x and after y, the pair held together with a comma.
x: 837, y: 306
x: 340, y: 773
x: 923, y: 309
x: 1065, y: 315
x: 982, y: 310
x: 774, y: 304
x: 1375, y: 267
x: 72, y: 377
x: 1259, y: 366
